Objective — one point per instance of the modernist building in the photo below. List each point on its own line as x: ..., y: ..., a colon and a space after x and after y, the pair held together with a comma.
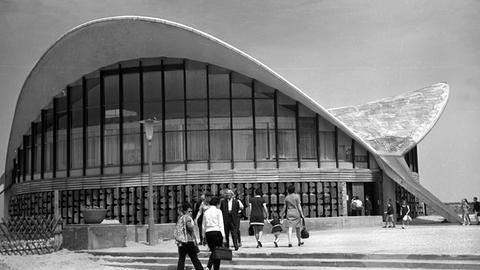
x: 226, y: 120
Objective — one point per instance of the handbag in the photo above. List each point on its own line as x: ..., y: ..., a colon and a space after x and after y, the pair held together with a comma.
x: 251, y: 231
x: 304, y: 233
x: 222, y: 253
x: 180, y: 232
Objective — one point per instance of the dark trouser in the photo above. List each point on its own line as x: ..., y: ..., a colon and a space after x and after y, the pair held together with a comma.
x: 200, y: 220
x: 214, y: 240
x: 231, y: 228
x: 183, y: 250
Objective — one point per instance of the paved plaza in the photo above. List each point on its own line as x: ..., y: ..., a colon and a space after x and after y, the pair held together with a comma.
x: 444, y: 238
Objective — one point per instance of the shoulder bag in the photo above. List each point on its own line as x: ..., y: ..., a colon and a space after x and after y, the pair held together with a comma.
x: 304, y: 233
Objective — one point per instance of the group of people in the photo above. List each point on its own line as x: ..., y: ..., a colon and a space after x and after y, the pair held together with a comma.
x: 217, y: 218
x: 404, y: 215
x: 466, y: 209
x: 357, y: 206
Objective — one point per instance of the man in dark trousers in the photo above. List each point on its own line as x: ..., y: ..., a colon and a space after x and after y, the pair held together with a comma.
x: 231, y: 207
x: 476, y: 209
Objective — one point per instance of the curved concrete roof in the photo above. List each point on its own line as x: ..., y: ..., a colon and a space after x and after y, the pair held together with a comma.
x: 102, y: 42
x: 395, y: 125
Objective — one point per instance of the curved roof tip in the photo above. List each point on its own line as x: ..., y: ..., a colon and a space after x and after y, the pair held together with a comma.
x: 393, y: 126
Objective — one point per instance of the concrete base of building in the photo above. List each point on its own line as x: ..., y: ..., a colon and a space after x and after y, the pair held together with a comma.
x: 138, y: 233
x: 94, y: 236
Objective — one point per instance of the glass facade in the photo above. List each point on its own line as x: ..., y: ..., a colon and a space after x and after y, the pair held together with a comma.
x: 210, y: 118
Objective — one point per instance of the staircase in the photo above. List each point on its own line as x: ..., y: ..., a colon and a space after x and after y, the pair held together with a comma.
x: 284, y: 261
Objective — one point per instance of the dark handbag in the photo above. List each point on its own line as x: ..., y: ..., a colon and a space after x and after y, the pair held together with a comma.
x: 222, y: 253
x: 304, y: 233
x: 251, y: 231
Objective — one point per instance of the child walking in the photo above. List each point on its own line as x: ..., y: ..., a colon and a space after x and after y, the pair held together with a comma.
x: 405, y: 211
x: 276, y: 227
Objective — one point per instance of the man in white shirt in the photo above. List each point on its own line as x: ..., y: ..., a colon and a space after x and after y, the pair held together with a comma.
x: 231, y: 208
x: 212, y: 228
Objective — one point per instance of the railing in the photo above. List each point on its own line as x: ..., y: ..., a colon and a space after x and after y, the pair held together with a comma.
x: 24, y: 235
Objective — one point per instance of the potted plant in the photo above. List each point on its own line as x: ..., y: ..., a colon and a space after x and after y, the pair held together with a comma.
x: 94, y: 214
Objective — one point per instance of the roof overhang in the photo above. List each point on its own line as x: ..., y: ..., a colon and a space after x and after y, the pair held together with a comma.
x: 102, y: 42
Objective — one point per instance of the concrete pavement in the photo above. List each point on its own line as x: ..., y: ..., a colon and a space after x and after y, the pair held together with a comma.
x: 438, y: 239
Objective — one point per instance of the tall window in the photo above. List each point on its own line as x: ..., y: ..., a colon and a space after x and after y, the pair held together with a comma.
x: 131, y: 117
x: 308, y: 136
x: 344, y: 150
x: 152, y: 106
x: 242, y: 118
x: 287, y: 139
x: 38, y: 149
x: 174, y: 111
x: 61, y: 135
x: 219, y: 93
x: 197, y: 121
x: 76, y: 137
x: 48, y: 154
x: 112, y: 119
x: 326, y: 145
x: 265, y: 125
x: 27, y: 146
x: 93, y: 117
x: 361, y: 157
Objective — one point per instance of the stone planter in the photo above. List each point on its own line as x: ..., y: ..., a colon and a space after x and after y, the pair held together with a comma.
x: 94, y: 215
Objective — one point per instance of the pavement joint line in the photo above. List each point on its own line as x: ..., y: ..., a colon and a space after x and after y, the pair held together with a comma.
x: 312, y: 259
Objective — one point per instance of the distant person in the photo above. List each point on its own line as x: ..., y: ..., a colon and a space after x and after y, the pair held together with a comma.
x: 294, y: 214
x: 476, y: 209
x: 213, y: 230
x: 404, y: 213
x: 357, y: 206
x: 276, y: 227
x: 239, y: 217
x: 189, y: 246
x: 368, y: 206
x: 465, y: 213
x: 231, y: 207
x: 200, y: 208
x: 258, y: 214
x: 389, y: 219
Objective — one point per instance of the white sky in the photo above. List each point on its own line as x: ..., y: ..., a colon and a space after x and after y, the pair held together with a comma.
x: 338, y: 52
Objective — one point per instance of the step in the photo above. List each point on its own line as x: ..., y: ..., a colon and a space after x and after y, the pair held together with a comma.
x: 271, y: 255
x: 268, y: 267
x: 137, y: 262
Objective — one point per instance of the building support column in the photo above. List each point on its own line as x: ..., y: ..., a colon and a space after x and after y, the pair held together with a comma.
x: 343, y: 195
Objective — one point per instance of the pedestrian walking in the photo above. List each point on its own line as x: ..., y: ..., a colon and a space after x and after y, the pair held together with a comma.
x: 276, y: 227
x: 186, y: 239
x: 231, y: 207
x: 404, y: 213
x: 240, y: 215
x: 200, y: 208
x: 368, y: 206
x: 466, y: 212
x: 258, y: 214
x: 292, y: 209
x: 389, y: 219
x: 476, y: 209
x: 357, y: 206
x: 213, y: 230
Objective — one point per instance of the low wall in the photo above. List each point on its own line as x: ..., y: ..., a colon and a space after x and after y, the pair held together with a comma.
x: 94, y: 236
x: 138, y: 233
